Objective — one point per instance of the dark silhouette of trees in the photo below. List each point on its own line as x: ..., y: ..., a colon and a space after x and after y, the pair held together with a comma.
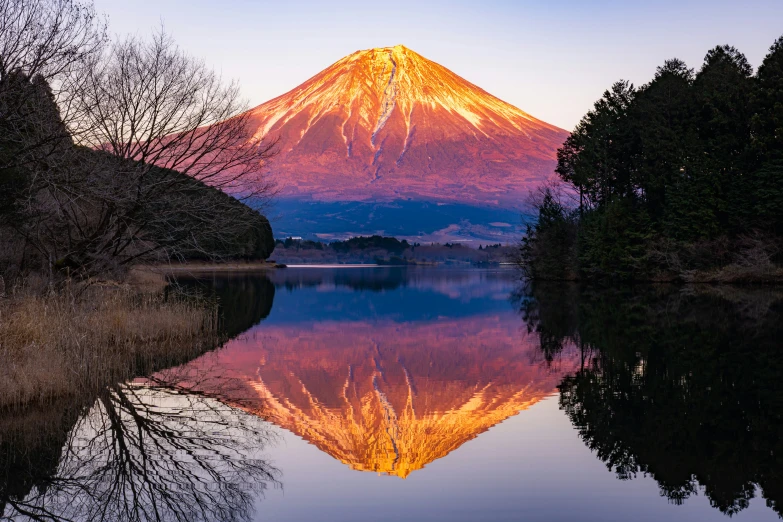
x: 153, y: 453
x: 548, y: 248
x: 389, y: 244
x: 185, y: 443
x: 681, y: 387
x: 244, y: 300
x: 767, y: 141
x: 48, y: 38
x: 149, y: 102
x: 681, y: 174
x: 113, y: 154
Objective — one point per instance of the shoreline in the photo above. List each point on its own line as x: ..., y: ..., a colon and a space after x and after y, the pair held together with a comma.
x: 179, y: 268
x: 682, y: 281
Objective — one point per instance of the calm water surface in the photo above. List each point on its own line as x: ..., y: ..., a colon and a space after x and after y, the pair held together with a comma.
x: 393, y: 394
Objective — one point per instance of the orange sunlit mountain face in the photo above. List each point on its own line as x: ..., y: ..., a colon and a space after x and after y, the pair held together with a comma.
x: 386, y: 395
x: 387, y: 123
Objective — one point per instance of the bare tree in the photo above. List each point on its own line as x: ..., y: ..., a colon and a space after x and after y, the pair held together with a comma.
x: 140, y: 168
x: 149, y: 102
x: 45, y: 42
x: 50, y: 42
x: 47, y: 38
x: 151, y: 453
x: 42, y: 44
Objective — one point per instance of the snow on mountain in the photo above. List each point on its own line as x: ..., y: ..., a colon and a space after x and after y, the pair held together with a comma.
x: 387, y: 124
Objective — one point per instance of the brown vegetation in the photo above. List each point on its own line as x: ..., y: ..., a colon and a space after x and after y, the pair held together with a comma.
x: 747, y: 259
x: 57, y: 344
x: 112, y: 153
x: 195, y: 267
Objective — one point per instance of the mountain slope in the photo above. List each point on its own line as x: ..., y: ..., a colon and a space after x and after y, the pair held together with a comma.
x: 388, y: 124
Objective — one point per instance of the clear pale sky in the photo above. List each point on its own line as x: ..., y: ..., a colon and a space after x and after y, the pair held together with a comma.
x: 552, y: 59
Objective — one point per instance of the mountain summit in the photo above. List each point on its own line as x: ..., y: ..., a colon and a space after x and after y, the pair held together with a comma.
x: 388, y: 124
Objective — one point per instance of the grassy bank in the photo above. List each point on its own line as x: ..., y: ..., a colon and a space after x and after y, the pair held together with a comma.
x: 561, y: 249
x: 196, y: 267
x: 57, y: 344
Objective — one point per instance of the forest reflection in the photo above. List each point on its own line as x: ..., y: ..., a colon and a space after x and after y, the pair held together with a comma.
x: 148, y: 450
x: 682, y: 385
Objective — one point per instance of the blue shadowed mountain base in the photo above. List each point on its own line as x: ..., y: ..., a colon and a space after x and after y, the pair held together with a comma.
x: 413, y: 220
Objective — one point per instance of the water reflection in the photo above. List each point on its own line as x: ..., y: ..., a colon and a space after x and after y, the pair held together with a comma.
x: 244, y: 299
x: 391, y: 395
x: 456, y: 284
x: 683, y: 385
x: 389, y: 370
x: 147, y: 450
x: 679, y: 385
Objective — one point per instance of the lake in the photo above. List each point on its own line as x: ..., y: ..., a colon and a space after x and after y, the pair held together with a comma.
x: 379, y: 393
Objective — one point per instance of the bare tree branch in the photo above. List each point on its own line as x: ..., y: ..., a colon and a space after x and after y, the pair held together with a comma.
x: 141, y: 168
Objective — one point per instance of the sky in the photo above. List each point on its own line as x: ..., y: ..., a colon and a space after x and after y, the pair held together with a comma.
x: 552, y: 59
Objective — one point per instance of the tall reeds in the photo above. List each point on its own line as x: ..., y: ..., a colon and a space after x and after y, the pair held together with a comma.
x: 60, y: 344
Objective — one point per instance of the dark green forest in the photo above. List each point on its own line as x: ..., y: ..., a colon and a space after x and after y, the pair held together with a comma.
x: 679, y: 179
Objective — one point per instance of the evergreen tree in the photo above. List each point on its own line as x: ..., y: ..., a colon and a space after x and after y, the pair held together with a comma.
x: 667, y: 172
x: 767, y: 122
x: 663, y: 116
x: 722, y: 89
x: 766, y: 194
x: 547, y: 250
x: 596, y: 156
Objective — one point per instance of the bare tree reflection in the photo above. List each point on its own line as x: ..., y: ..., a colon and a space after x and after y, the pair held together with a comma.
x: 149, y: 451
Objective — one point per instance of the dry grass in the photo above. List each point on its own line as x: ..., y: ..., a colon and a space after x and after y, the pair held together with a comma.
x: 57, y: 345
x: 191, y: 267
x: 750, y: 259
x: 736, y: 274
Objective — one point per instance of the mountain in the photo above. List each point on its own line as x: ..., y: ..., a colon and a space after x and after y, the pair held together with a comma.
x: 384, y: 126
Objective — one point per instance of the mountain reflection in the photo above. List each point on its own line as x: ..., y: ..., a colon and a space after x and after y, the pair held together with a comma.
x: 393, y: 373
x: 390, y: 397
x: 683, y: 387
x: 383, y: 395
